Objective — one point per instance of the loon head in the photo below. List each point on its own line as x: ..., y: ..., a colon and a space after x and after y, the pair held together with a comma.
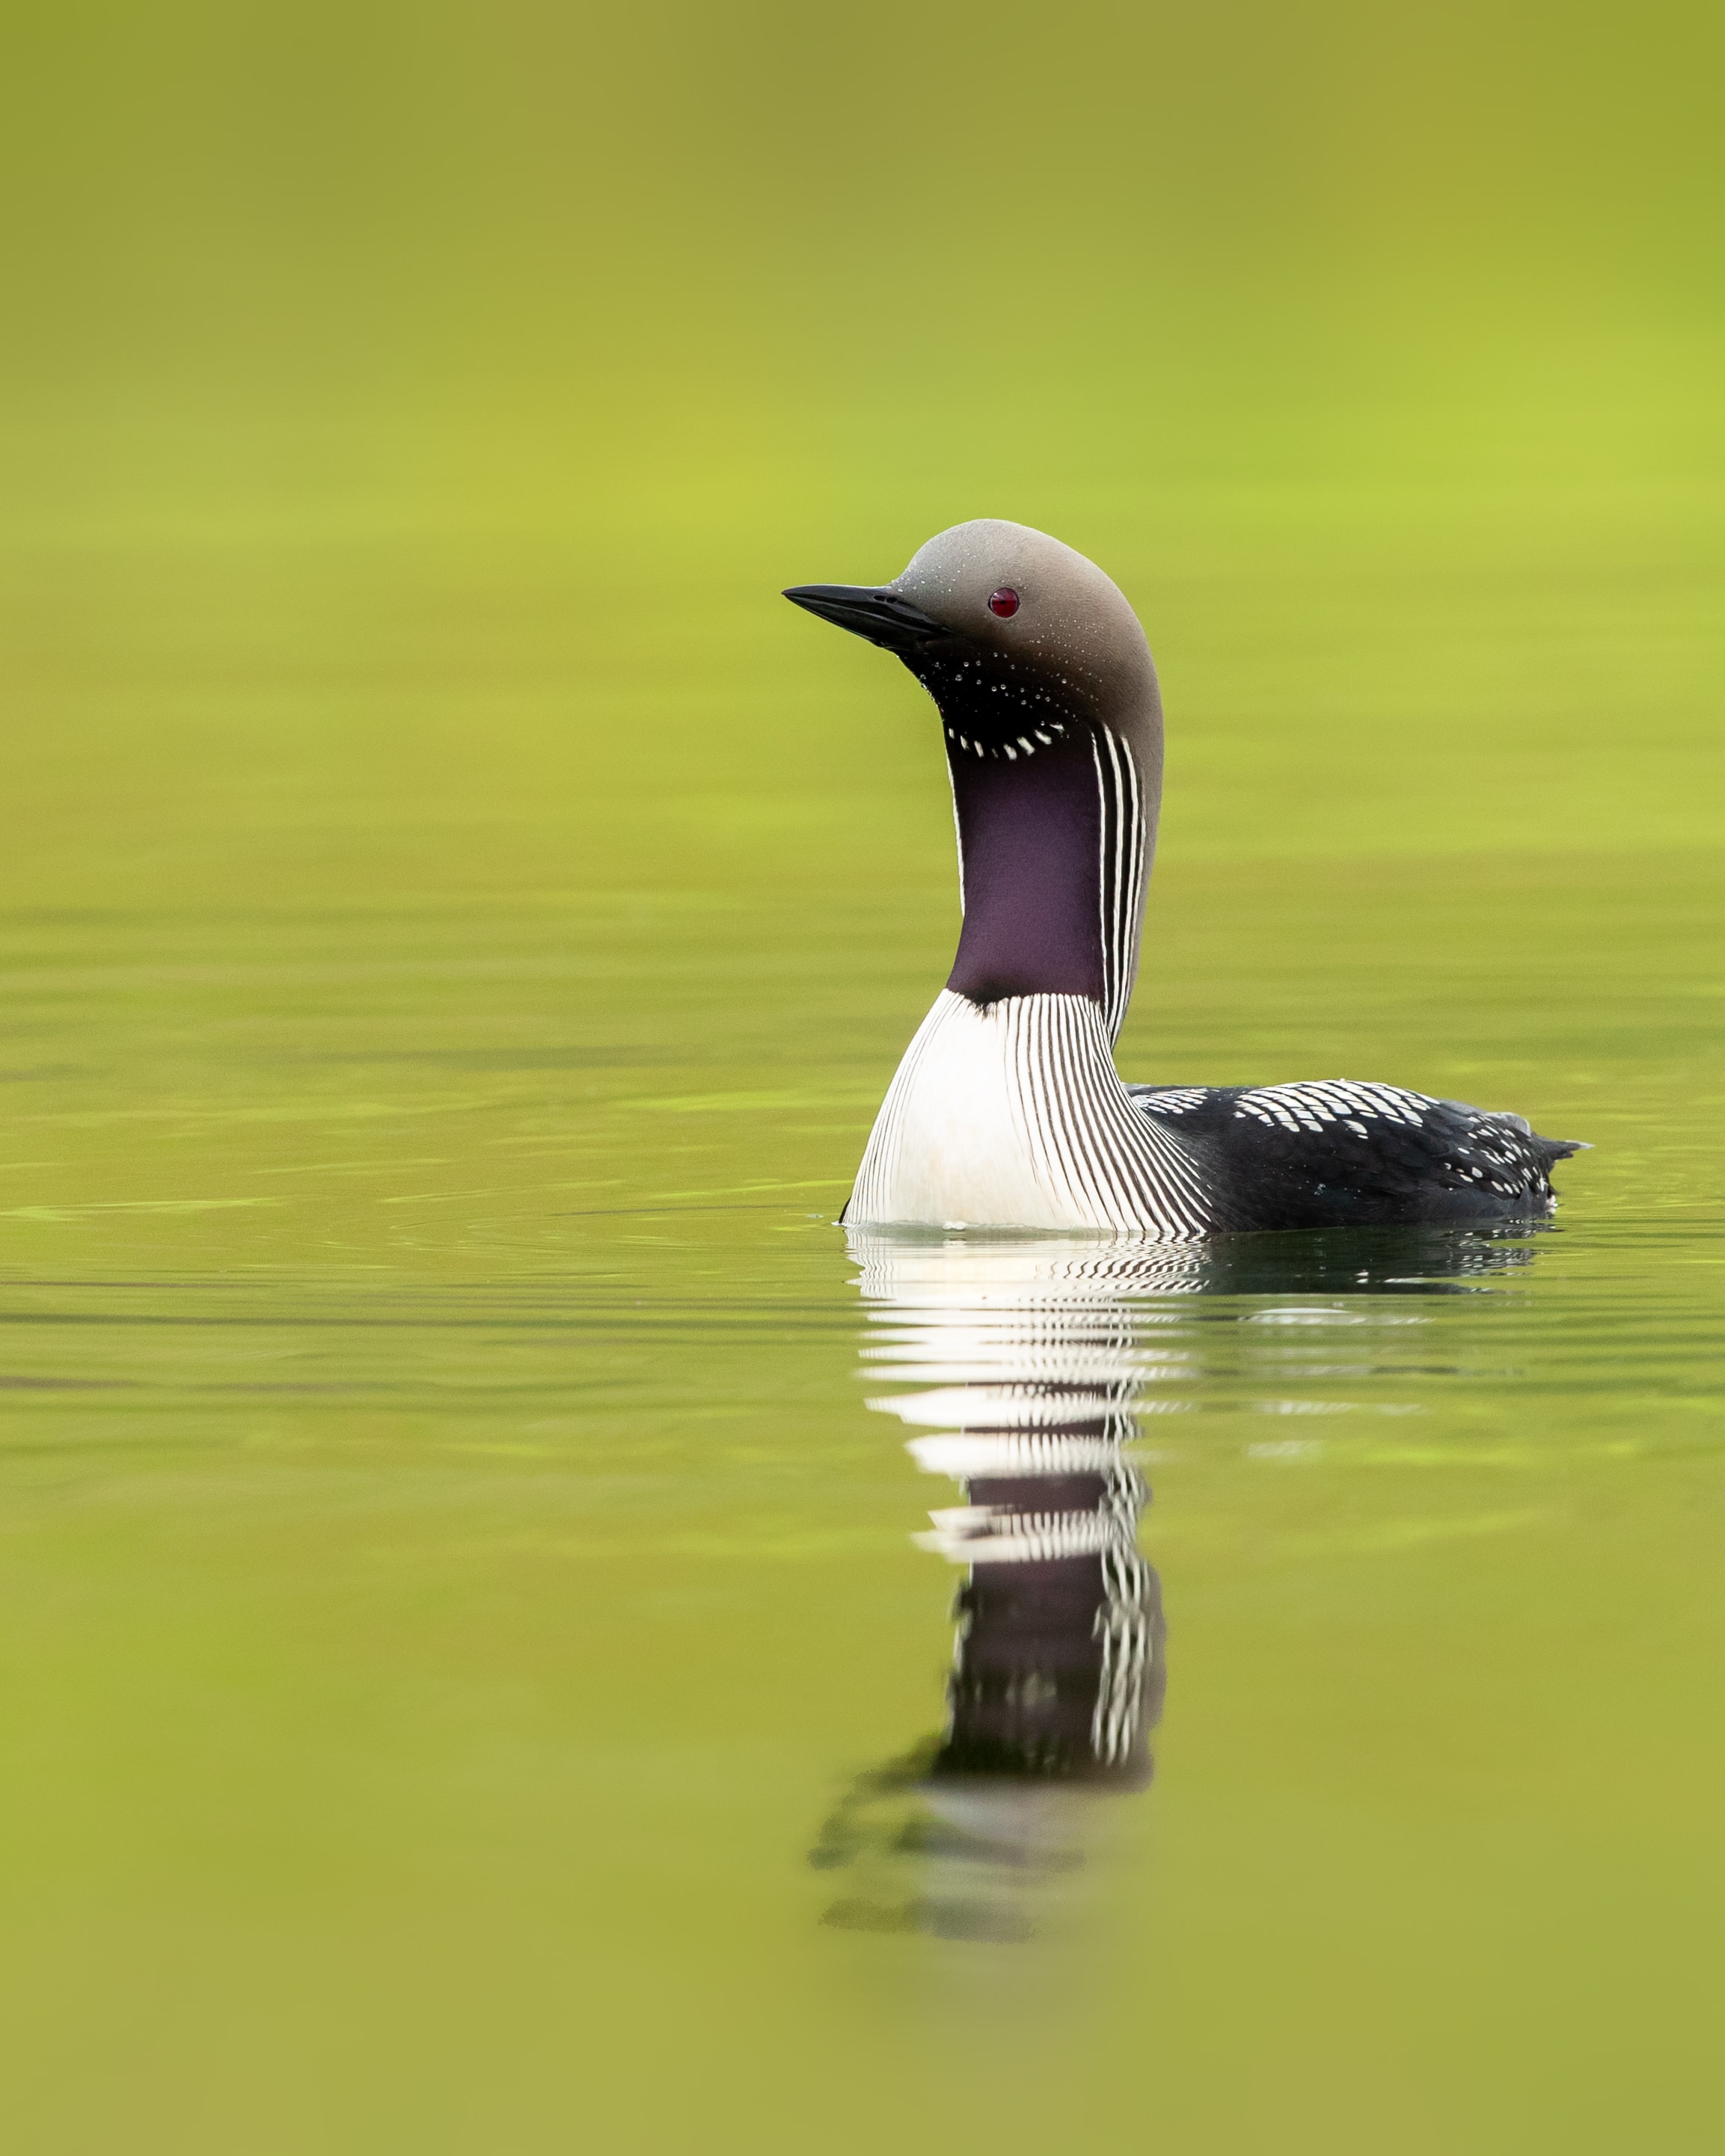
x: 1053, y: 725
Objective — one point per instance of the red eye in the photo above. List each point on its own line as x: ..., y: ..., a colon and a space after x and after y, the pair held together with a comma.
x: 1004, y: 602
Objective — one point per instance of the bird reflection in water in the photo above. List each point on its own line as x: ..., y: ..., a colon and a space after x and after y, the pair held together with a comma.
x: 1036, y: 1359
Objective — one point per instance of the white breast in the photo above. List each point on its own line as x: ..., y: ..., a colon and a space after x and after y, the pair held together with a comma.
x: 1012, y: 1117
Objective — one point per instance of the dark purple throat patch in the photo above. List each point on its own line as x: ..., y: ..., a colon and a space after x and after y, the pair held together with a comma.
x: 1030, y: 832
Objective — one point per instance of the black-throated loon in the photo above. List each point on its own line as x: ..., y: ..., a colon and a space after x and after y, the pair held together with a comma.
x: 1007, y: 1111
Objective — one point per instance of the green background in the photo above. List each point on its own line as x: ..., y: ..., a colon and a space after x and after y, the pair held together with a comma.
x: 457, y: 922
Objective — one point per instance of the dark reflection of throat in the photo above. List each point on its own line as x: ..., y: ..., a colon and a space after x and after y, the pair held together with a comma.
x: 1058, y: 1666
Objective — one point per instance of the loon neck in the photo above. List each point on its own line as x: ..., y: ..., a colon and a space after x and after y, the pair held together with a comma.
x: 1055, y: 832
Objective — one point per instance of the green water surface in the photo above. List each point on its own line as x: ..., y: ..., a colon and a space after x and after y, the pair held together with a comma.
x: 452, y: 1572
x: 456, y: 923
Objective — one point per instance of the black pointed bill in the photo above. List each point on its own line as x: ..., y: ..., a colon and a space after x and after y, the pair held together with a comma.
x: 878, y: 613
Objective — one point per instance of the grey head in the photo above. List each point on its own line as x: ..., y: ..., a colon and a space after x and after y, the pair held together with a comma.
x: 1053, y: 725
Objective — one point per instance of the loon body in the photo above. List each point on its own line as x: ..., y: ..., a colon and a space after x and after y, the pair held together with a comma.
x: 1007, y: 1111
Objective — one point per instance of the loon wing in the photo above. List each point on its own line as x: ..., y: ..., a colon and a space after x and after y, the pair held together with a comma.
x: 1332, y: 1153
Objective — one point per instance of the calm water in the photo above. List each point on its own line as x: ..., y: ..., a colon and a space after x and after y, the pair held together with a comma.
x: 479, y: 1654
x: 481, y: 1672
x: 481, y: 1675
